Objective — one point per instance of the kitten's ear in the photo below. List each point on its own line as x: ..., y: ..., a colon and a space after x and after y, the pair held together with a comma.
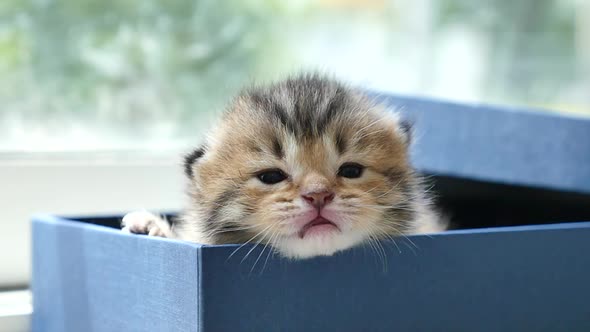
x: 190, y: 159
x: 406, y: 130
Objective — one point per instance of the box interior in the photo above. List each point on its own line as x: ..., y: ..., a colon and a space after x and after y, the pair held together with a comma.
x: 479, y: 204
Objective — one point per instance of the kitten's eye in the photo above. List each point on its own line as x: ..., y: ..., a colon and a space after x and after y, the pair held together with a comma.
x: 351, y: 170
x: 271, y: 176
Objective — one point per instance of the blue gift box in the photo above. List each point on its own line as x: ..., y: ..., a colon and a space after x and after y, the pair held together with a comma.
x: 489, y: 167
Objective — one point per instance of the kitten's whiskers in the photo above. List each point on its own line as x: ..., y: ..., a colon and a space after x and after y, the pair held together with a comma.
x: 252, y: 238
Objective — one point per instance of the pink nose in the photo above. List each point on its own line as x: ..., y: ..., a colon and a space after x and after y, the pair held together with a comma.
x: 319, y: 199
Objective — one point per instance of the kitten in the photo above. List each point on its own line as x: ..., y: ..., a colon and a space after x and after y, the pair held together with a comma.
x: 306, y: 165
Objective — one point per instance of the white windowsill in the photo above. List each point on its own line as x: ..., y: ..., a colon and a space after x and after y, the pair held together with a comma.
x: 15, y: 311
x: 68, y: 185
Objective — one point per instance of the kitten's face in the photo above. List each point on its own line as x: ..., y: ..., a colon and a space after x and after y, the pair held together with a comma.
x: 310, y: 170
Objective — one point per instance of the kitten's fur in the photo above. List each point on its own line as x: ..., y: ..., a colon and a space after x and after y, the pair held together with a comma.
x: 307, y: 127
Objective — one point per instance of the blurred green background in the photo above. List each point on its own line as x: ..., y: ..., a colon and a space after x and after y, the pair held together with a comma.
x: 94, y: 75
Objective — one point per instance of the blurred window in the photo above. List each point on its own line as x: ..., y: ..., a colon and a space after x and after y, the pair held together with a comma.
x: 87, y: 75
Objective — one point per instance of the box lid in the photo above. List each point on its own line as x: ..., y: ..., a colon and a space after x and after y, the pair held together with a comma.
x: 498, y: 144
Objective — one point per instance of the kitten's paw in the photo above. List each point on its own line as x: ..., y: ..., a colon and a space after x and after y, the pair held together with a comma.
x: 143, y: 222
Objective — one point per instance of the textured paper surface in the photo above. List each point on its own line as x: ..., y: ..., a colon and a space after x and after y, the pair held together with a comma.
x: 530, y: 278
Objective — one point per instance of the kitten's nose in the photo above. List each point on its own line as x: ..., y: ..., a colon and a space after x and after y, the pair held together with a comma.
x: 319, y: 199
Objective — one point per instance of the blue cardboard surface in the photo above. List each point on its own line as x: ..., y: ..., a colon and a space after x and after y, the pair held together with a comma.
x: 529, y: 278
x: 499, y: 144
x: 93, y: 278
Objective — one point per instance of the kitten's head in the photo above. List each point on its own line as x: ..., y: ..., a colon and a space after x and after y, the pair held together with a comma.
x: 306, y: 165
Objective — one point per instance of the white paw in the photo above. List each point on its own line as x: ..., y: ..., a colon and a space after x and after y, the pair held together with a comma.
x: 143, y: 222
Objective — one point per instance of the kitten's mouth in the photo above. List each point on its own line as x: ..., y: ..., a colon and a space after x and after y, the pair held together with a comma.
x: 319, y: 225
